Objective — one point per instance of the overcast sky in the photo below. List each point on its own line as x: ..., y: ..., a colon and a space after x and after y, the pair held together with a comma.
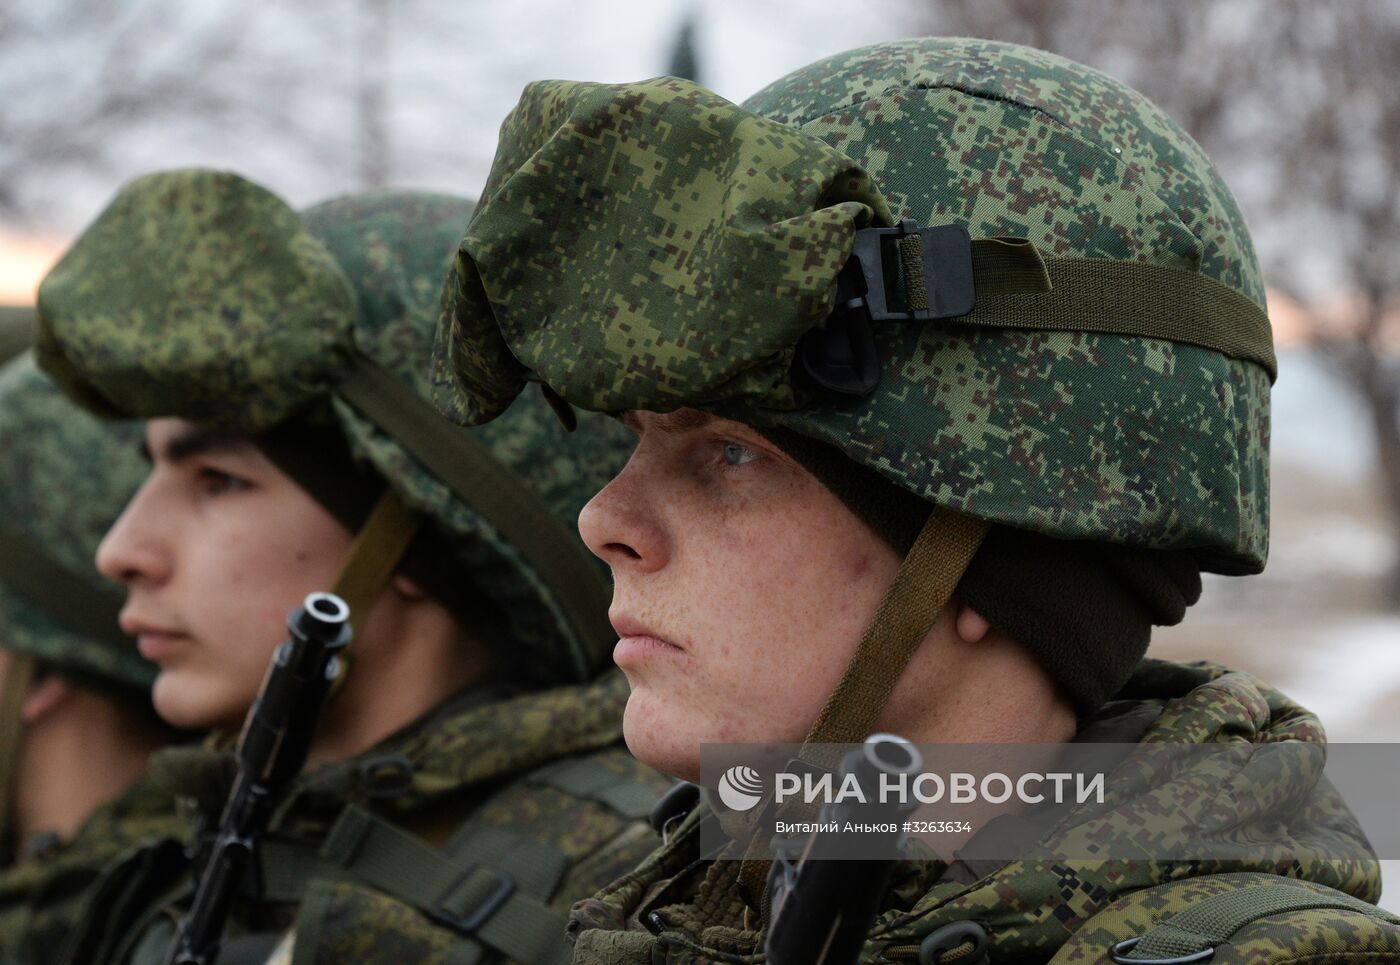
x: 451, y: 76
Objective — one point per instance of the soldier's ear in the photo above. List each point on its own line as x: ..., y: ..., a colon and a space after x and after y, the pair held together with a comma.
x: 407, y: 588
x: 46, y: 694
x: 971, y: 626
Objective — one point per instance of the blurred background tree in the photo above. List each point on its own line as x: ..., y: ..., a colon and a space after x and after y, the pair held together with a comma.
x: 84, y: 83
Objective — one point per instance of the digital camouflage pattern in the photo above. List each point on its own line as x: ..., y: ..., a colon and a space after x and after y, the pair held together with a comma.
x: 200, y: 294
x: 65, y: 477
x: 1323, y: 934
x: 395, y: 245
x: 1300, y: 829
x: 653, y: 246
x: 475, y: 762
x: 567, y: 230
x: 43, y: 900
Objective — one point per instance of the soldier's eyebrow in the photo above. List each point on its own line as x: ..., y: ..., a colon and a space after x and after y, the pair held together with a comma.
x: 670, y: 423
x: 197, y: 441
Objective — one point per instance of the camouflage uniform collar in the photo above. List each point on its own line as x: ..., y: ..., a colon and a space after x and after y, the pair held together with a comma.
x: 680, y: 889
x: 1028, y: 909
x: 482, y: 734
x: 143, y: 810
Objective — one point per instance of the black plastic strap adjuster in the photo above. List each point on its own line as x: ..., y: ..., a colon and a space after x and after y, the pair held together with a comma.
x: 479, y: 915
x: 840, y: 353
x: 946, y: 268
x: 677, y: 802
x: 386, y: 775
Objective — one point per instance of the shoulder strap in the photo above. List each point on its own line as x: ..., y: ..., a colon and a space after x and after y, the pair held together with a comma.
x: 1192, y: 935
x: 487, y: 882
x: 586, y: 778
x: 499, y: 902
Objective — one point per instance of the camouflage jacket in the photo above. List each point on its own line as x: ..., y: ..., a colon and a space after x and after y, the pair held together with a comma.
x: 495, y: 808
x: 677, y: 908
x: 44, y: 897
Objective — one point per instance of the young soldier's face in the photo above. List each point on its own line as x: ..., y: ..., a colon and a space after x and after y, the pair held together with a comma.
x: 742, y: 586
x: 215, y: 549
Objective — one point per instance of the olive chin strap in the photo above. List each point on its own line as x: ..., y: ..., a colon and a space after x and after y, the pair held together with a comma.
x: 922, y: 587
x: 467, y: 467
x: 377, y: 551
x: 13, y: 689
x: 925, y: 582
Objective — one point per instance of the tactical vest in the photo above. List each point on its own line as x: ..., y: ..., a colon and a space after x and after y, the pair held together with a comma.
x: 1226, y: 919
x: 681, y: 907
x: 493, y: 885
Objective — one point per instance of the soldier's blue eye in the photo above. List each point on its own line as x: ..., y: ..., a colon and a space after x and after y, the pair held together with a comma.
x: 737, y: 455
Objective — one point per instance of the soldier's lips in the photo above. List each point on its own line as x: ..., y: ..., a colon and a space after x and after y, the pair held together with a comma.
x: 633, y: 649
x: 636, y: 641
x: 159, y: 646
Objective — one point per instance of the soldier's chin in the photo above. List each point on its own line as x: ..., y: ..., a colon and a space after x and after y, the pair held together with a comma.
x: 186, y: 702
x: 656, y: 735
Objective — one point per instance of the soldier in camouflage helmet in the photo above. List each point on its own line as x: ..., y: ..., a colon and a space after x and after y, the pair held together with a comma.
x: 937, y: 481
x: 74, y: 694
x: 281, y: 361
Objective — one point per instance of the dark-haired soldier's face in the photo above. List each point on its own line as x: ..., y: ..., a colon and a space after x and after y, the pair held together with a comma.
x: 215, y: 549
x: 742, y: 586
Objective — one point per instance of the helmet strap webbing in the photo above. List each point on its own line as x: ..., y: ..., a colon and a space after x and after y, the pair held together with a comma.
x: 13, y: 690
x: 375, y: 554
x: 466, y: 466
x: 922, y: 587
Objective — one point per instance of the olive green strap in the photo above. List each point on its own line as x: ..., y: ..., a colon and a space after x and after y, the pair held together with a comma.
x: 13, y: 689
x: 1016, y: 288
x: 925, y: 581
x: 496, y: 899
x: 375, y: 554
x: 63, y: 594
x: 923, y: 585
x: 1211, y: 921
x: 498, y: 495
x: 585, y: 778
x: 1008, y: 265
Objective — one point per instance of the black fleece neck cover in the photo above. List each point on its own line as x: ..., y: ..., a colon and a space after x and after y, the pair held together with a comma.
x: 1084, y: 609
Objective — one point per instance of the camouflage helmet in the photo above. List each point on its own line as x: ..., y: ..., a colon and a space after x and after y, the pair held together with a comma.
x: 1090, y: 359
x: 201, y: 295
x: 1003, y: 281
x: 64, y: 478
